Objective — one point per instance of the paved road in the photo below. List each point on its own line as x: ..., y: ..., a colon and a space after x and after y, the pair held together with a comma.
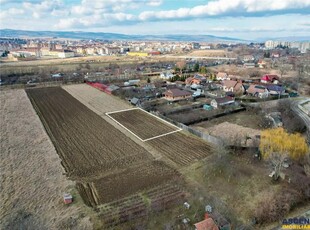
x: 301, y: 113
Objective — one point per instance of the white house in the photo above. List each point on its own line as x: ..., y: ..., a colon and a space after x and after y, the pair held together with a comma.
x: 66, y: 54
x: 222, y: 76
x: 166, y: 75
x: 217, y: 102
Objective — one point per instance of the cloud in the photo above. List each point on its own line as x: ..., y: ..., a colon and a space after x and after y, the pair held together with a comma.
x: 155, y: 2
x: 43, y: 8
x: 11, y: 11
x: 95, y: 13
x: 226, y: 8
x: 96, y: 20
x: 88, y: 7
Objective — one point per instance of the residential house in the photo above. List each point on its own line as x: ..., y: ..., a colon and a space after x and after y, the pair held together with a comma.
x: 222, y: 101
x: 100, y: 51
x: 65, y: 54
x: 90, y: 50
x: 270, y: 78
x: 275, y: 54
x: 220, y: 220
x: 275, y: 89
x: 249, y: 65
x: 112, y: 50
x: 261, y: 64
x: 258, y: 91
x: 166, y: 75
x: 135, y: 101
x: 248, y: 58
x: 233, y: 86
x: 197, y: 80
x: 81, y: 50
x: 213, y: 221
x: 26, y: 52
x: 222, y: 76
x: 207, y: 224
x: 45, y: 51
x: 176, y: 94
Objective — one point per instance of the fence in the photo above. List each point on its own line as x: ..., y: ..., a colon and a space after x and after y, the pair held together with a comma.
x: 100, y: 86
x: 202, y: 135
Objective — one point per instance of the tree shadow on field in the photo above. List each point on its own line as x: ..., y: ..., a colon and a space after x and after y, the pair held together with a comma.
x: 24, y: 220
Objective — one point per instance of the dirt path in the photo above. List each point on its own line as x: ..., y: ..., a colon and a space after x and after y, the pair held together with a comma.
x: 31, y: 177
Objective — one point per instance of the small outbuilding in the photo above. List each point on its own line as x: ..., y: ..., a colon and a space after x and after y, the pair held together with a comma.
x: 207, y: 107
x: 68, y: 199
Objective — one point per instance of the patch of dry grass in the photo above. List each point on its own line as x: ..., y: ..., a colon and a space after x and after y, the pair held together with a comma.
x: 31, y: 181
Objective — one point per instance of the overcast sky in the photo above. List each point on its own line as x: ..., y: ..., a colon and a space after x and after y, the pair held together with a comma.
x: 246, y: 19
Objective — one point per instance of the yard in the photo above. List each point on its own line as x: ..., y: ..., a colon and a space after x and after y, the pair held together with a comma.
x: 249, y: 119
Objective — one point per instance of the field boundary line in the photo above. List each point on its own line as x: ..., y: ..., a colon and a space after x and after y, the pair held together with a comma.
x: 119, y: 111
x: 124, y: 110
x: 124, y: 127
x: 162, y: 135
x: 147, y: 139
x: 159, y: 118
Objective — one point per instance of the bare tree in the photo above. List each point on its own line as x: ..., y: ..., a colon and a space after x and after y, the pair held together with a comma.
x: 277, y: 160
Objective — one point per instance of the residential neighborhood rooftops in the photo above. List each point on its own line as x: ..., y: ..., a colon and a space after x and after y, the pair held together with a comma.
x: 177, y: 93
x: 207, y: 224
x: 256, y: 89
x: 224, y: 100
x: 269, y: 77
x: 221, y: 75
x: 229, y: 83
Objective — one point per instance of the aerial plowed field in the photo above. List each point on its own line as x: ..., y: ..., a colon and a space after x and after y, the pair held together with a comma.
x: 87, y: 144
x: 148, y: 175
x: 142, y: 124
x: 106, y: 164
x: 181, y: 149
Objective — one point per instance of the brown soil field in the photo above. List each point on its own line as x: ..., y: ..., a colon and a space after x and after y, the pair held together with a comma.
x: 154, y: 200
x: 142, y: 124
x: 107, y: 165
x: 31, y: 180
x: 148, y: 175
x: 82, y: 138
x: 181, y: 148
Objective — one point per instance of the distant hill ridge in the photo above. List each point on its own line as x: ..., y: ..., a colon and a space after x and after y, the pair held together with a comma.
x: 113, y: 36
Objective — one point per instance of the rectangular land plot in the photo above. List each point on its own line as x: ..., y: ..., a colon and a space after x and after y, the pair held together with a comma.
x: 143, y: 125
x: 95, y: 99
x: 132, y: 180
x: 88, y: 145
x: 182, y: 149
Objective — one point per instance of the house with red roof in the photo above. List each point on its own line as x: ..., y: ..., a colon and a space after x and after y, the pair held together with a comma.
x: 197, y: 80
x: 213, y: 221
x: 207, y: 224
x: 270, y: 78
